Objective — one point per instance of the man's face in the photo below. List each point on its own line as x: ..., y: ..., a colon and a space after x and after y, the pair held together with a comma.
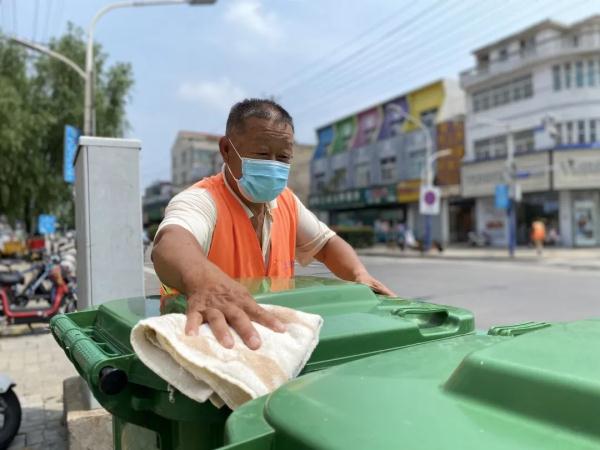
x: 260, y: 139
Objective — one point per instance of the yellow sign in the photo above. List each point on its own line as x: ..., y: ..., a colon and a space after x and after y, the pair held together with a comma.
x: 408, y: 191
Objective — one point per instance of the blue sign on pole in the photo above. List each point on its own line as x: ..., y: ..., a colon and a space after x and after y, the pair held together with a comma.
x: 502, y: 197
x: 70, y: 148
x: 46, y: 224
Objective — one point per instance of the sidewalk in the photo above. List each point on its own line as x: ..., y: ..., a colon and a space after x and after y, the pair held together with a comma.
x: 580, y: 258
x: 38, y: 366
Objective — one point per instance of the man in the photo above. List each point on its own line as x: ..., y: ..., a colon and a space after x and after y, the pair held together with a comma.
x: 245, y: 223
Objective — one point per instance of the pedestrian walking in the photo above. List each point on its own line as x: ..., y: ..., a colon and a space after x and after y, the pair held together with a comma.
x: 538, y: 235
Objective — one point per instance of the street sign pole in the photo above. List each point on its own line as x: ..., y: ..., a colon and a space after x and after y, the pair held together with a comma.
x: 512, y: 204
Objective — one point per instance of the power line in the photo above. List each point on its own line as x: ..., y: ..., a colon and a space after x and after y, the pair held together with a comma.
x: 371, y: 59
x: 333, y: 53
x: 389, y: 69
x: 418, y: 50
x: 369, y: 46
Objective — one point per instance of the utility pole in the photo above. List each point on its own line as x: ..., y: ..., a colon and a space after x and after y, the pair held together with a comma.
x: 511, y: 179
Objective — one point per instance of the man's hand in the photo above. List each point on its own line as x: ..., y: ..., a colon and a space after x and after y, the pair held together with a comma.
x: 227, y: 303
x: 212, y: 296
x: 376, y: 286
x: 343, y: 261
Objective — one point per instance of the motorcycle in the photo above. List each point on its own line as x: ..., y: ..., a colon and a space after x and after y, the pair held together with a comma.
x: 10, y: 412
x: 58, y: 295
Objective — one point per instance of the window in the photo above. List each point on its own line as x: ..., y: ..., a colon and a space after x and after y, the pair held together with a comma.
x: 482, y: 148
x: 581, y: 132
x: 558, y: 138
x: 524, y: 141
x: 592, y: 130
x: 569, y: 137
x: 501, y: 94
x: 567, y: 67
x: 575, y: 41
x: 319, y: 182
x: 363, y: 174
x: 579, y: 73
x: 527, y: 46
x: 498, y: 146
x: 388, y: 169
x: 556, y: 77
x: 339, y: 178
x: 503, y: 54
x: 428, y: 117
x: 591, y: 73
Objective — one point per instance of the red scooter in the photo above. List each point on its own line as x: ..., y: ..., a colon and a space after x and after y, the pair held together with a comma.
x: 62, y: 299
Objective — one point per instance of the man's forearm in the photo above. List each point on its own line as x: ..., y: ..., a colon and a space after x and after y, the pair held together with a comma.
x: 341, y: 259
x: 178, y: 259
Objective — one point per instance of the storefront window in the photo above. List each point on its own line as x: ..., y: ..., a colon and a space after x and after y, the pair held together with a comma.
x: 592, y: 130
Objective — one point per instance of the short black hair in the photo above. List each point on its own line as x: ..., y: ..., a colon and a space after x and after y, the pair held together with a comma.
x: 256, y: 107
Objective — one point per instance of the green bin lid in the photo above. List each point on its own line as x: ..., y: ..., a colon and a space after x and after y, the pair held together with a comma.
x: 540, y: 390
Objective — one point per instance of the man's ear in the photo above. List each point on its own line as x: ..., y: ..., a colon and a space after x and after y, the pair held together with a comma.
x: 224, y: 149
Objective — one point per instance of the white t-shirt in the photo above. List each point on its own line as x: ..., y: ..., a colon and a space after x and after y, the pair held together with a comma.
x: 195, y: 210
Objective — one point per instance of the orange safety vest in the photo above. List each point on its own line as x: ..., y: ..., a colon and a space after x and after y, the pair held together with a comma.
x: 235, y: 248
x: 538, y: 231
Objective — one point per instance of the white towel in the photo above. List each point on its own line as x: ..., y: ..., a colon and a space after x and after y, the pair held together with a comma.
x: 199, y: 367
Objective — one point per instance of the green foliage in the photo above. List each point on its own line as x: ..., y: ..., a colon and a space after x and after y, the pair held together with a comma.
x: 39, y: 95
x: 357, y: 237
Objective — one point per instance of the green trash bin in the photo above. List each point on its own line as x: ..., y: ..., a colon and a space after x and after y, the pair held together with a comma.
x: 357, y: 324
x: 532, y: 386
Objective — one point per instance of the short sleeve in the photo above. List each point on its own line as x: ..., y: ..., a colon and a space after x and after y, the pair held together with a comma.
x: 194, y: 210
x: 311, y: 234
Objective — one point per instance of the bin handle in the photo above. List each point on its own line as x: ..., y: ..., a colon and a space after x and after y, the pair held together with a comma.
x: 428, y: 317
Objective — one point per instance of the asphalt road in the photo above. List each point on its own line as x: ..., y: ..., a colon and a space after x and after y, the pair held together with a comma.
x: 499, y: 293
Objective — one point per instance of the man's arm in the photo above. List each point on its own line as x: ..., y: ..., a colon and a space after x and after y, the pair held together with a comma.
x: 212, y: 296
x: 343, y: 261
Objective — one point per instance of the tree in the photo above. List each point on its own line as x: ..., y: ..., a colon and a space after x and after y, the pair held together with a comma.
x: 38, y: 97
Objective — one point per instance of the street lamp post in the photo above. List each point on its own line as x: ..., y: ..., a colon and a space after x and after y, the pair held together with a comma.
x: 45, y: 50
x: 429, y: 159
x: 510, y: 178
x: 89, y: 120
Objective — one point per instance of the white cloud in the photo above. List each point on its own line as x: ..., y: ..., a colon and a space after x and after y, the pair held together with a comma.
x: 250, y: 15
x: 217, y: 95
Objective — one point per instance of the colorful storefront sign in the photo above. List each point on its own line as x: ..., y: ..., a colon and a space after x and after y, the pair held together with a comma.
x: 408, y: 191
x: 393, y: 119
x: 368, y: 124
x: 344, y: 135
x: 325, y: 137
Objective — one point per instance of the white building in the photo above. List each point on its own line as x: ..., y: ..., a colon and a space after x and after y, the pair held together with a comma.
x: 547, y: 70
x: 194, y: 156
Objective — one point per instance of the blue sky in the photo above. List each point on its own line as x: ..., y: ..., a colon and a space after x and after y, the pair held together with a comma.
x: 321, y: 59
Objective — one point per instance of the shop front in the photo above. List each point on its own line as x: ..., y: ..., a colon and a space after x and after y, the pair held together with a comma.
x: 479, y: 180
x: 577, y: 178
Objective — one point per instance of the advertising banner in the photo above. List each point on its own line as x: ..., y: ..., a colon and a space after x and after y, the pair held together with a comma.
x: 344, y: 135
x: 392, y: 118
x: 368, y: 124
x: 325, y: 138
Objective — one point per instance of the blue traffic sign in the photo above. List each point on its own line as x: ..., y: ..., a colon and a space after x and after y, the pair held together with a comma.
x: 46, y: 224
x: 502, y: 197
x: 70, y: 149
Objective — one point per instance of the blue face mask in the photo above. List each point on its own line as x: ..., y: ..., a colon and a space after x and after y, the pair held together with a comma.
x: 262, y: 180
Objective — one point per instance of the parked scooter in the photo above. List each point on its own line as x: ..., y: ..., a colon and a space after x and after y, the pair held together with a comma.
x: 10, y: 412
x: 61, y: 297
